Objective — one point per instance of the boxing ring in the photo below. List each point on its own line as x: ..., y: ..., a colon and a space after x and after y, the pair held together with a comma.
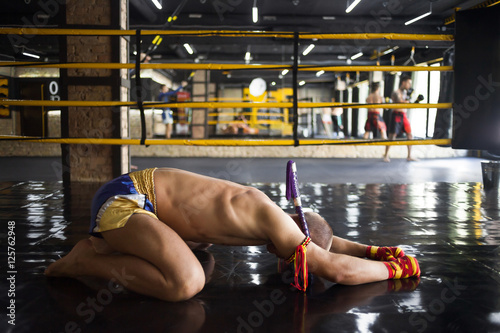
x: 294, y: 106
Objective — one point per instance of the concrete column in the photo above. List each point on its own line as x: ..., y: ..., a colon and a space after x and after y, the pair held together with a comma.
x: 202, y: 92
x: 87, y: 162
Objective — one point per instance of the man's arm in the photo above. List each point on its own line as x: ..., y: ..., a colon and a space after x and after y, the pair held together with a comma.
x: 397, y: 97
x: 344, y: 269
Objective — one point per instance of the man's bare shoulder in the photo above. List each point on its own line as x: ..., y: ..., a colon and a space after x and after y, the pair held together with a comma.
x: 396, y: 96
x: 374, y: 98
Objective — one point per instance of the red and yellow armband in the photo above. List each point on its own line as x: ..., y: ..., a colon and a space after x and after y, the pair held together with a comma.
x: 300, y: 265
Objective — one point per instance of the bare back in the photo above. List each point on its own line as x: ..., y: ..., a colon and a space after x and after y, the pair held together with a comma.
x: 374, y: 98
x: 205, y: 209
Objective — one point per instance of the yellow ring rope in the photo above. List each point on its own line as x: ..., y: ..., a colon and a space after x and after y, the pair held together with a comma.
x: 227, y: 142
x: 222, y: 33
x: 215, y: 105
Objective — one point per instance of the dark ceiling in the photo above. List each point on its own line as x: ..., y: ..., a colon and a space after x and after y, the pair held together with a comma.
x: 316, y: 16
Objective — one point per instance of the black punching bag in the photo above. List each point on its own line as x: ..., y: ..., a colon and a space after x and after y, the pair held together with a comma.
x: 442, y: 125
x: 476, y: 109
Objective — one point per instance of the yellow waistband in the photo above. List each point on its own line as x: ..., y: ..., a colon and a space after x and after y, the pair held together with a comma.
x: 145, y: 184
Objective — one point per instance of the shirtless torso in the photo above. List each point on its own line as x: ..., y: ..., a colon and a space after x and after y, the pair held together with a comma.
x: 399, y: 96
x: 374, y: 98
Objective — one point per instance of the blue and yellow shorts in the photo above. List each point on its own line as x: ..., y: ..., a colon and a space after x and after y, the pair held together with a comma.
x: 116, y: 201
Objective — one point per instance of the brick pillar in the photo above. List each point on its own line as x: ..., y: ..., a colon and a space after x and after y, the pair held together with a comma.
x: 201, y: 93
x: 86, y: 162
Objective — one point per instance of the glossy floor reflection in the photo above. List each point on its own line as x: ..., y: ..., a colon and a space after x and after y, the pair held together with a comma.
x: 453, y: 230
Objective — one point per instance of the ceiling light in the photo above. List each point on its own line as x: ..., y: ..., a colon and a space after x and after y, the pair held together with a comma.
x: 390, y: 50
x: 196, y: 16
x: 284, y: 72
x: 319, y: 73
x: 248, y: 56
x: 421, y: 16
x: 328, y: 18
x: 341, y: 57
x: 255, y: 12
x: 357, y: 55
x: 301, y: 83
x: 31, y: 55
x: 417, y: 18
x: 273, y: 83
x: 387, y: 51
x: 351, y: 5
x: 157, y: 3
x: 188, y: 48
x: 308, y: 49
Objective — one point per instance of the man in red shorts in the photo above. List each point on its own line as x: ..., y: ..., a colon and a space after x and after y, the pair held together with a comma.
x: 399, y: 120
x: 375, y: 122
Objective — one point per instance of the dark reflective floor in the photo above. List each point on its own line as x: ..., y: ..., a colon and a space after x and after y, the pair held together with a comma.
x: 452, y: 228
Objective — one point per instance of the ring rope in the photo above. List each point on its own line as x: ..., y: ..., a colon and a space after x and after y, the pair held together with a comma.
x: 222, y: 105
x: 296, y: 36
x: 223, y: 33
x: 110, y: 65
x: 228, y: 142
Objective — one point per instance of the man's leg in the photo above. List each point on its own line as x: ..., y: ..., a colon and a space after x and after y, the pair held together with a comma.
x: 410, y: 158
x: 154, y: 260
x: 392, y: 136
x: 168, y: 131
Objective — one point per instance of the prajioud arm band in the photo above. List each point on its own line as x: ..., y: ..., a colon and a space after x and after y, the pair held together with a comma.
x: 299, y: 257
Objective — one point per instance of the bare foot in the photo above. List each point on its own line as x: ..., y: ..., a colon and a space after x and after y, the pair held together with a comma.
x: 100, y: 246
x: 69, y: 265
x: 412, y: 159
x: 387, y: 159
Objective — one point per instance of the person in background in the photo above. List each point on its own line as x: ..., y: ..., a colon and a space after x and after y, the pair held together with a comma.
x: 399, y: 120
x: 168, y: 116
x: 375, y: 122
